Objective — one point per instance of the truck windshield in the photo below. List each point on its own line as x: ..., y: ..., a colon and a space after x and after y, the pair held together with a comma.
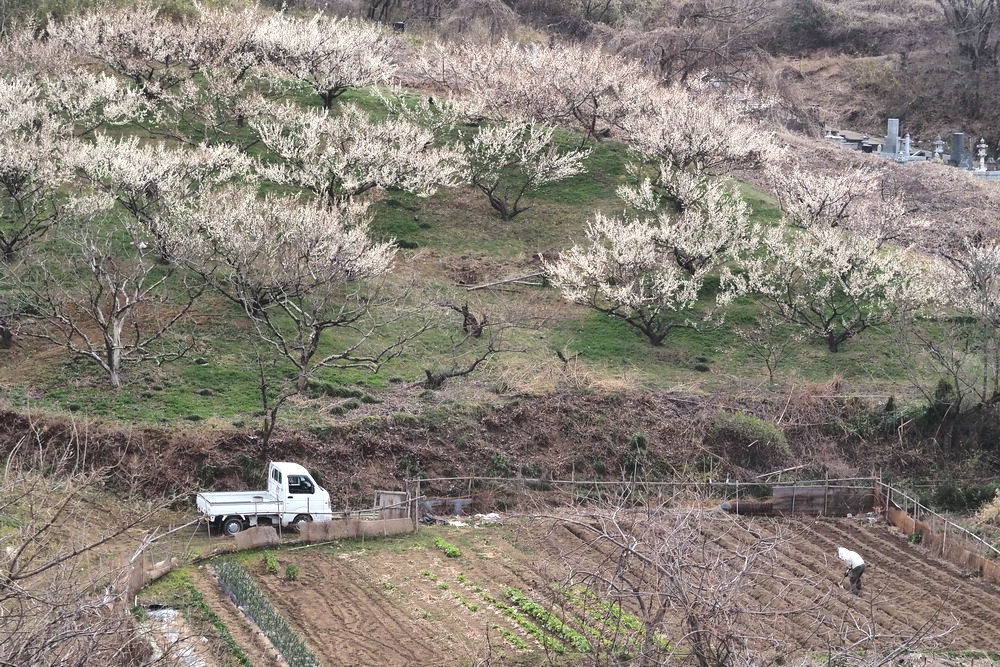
x: 300, y: 484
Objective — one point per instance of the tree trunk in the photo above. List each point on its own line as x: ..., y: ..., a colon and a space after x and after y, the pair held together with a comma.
x: 833, y: 343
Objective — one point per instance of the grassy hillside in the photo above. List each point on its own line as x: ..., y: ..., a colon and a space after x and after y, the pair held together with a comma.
x: 450, y: 242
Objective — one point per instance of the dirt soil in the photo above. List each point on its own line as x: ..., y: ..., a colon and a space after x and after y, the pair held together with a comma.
x: 403, y: 601
x: 256, y: 646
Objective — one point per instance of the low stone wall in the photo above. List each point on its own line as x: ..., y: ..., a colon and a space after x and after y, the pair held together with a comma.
x: 255, y: 538
x: 348, y: 528
x: 137, y: 576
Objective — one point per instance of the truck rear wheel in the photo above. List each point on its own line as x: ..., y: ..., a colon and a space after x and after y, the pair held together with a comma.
x: 232, y: 525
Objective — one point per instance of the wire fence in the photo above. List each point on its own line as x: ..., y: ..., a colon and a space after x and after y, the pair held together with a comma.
x: 469, y: 495
x: 940, y: 535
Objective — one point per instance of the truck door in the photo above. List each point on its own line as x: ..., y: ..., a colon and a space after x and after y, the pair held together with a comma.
x: 299, y: 497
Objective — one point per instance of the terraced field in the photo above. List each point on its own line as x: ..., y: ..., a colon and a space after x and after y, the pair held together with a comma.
x: 404, y: 601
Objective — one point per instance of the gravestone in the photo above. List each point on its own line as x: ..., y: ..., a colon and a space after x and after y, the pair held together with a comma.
x: 957, y: 149
x: 892, y: 137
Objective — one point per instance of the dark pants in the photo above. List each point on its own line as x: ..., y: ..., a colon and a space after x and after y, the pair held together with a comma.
x: 855, y: 574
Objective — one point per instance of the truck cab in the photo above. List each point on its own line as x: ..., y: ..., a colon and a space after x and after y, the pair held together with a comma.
x: 301, y: 498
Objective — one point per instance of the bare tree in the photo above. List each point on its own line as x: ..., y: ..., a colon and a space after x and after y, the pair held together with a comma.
x: 975, y: 25
x: 769, y: 341
x: 481, y: 338
x: 678, y: 41
x: 673, y: 579
x: 109, y: 298
x: 63, y: 605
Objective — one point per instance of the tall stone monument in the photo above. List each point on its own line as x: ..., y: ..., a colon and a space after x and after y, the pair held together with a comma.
x: 957, y: 149
x: 892, y: 138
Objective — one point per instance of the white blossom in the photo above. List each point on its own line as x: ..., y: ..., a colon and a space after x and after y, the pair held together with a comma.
x: 133, y: 42
x: 328, y: 55
x: 347, y: 154
x: 558, y: 85
x: 651, y: 272
x: 90, y: 100
x: 857, y: 200
x: 507, y: 161
x: 298, y: 269
x: 157, y: 184
x: 833, y: 283
x: 703, y: 133
x: 34, y: 167
x: 279, y: 247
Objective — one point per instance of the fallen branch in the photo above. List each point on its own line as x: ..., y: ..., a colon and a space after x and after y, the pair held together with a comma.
x: 517, y: 279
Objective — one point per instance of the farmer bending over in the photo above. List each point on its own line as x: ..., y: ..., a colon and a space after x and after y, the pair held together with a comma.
x: 855, y: 567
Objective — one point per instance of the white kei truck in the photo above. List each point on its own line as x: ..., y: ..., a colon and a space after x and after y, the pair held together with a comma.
x: 292, y: 496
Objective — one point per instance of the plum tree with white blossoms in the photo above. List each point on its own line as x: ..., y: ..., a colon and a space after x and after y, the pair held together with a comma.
x: 300, y: 269
x: 133, y: 42
x: 88, y: 101
x: 328, y: 55
x: 39, y: 118
x: 342, y: 155
x: 832, y: 284
x: 567, y: 86
x: 156, y: 183
x: 508, y: 161
x: 681, y: 143
x: 861, y: 200
x: 705, y: 133
x: 32, y: 171
x: 829, y: 267
x: 651, y: 273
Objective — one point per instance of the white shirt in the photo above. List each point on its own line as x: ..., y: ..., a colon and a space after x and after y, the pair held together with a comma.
x: 852, y: 558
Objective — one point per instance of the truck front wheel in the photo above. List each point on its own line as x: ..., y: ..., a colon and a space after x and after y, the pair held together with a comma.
x: 232, y: 525
x: 301, y: 518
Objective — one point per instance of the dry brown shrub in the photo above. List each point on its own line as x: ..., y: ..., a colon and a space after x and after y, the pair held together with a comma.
x: 990, y: 512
